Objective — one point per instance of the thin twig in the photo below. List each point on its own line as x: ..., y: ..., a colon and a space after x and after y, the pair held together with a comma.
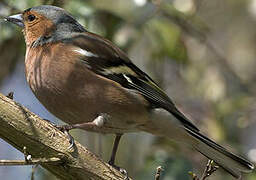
x: 208, y: 171
x: 159, y: 169
x: 29, y: 161
x: 33, y: 161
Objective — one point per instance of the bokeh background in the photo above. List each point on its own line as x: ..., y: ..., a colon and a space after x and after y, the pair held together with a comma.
x: 201, y: 52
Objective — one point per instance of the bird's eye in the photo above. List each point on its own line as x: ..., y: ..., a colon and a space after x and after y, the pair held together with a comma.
x: 31, y: 17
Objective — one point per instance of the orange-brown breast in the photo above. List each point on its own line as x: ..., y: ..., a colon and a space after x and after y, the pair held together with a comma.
x: 74, y: 94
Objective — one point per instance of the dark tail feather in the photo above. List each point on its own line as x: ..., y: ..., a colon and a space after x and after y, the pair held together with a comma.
x: 227, y: 160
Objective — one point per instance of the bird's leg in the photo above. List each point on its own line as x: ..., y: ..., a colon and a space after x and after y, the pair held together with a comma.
x: 113, y: 156
x: 114, y: 150
x: 96, y: 124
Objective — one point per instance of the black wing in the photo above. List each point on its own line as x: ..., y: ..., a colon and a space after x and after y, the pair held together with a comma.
x: 107, y: 60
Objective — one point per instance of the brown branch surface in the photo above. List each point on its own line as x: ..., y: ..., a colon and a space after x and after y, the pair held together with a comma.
x: 22, y: 128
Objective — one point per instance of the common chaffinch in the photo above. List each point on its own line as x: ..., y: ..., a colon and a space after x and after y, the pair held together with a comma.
x: 89, y: 83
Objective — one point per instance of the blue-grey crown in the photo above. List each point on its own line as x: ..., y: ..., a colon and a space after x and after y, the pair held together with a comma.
x: 59, y: 17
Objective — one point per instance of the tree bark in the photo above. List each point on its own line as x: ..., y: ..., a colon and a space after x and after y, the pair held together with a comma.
x: 22, y: 128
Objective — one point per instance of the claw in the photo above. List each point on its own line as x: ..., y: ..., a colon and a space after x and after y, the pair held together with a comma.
x: 65, y: 129
x: 123, y: 171
x: 70, y: 139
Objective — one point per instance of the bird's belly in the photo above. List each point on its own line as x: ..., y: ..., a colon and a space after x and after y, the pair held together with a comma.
x: 73, y: 110
x: 76, y: 95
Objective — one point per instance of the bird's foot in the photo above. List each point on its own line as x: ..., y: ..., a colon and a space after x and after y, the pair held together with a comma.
x: 65, y: 129
x: 122, y: 170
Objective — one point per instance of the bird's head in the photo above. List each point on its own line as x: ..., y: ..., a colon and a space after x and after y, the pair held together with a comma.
x: 45, y: 22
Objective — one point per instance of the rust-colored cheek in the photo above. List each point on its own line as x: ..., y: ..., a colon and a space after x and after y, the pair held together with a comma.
x: 43, y: 27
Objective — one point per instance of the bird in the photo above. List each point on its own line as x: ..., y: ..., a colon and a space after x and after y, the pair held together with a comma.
x: 90, y: 83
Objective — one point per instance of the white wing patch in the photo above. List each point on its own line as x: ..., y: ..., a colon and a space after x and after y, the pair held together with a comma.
x: 127, y: 78
x: 121, y: 69
x: 85, y: 53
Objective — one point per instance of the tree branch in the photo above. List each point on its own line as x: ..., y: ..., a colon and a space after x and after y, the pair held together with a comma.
x: 22, y: 128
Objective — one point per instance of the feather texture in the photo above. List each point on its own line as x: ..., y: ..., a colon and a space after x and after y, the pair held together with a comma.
x: 113, y: 64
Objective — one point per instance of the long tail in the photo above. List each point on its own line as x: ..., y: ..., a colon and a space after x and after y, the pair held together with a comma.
x: 162, y: 124
x: 227, y: 160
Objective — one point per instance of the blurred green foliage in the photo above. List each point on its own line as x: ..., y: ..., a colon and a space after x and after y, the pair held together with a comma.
x: 202, y: 53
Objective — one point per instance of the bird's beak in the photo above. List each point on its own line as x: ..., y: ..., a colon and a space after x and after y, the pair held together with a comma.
x: 16, y: 19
